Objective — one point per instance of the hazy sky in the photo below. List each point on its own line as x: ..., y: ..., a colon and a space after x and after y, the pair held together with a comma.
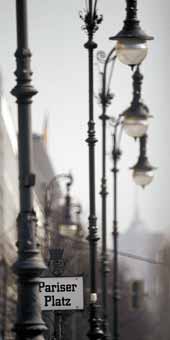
x: 60, y: 74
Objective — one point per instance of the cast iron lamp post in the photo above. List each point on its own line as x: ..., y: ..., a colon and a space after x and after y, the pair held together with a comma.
x: 142, y: 175
x: 66, y: 227
x: 135, y: 124
x: 91, y: 23
x: 116, y: 153
x: 131, y: 50
x: 29, y: 266
x: 105, y: 98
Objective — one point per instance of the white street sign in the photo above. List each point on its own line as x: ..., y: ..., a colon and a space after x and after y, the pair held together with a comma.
x: 61, y: 293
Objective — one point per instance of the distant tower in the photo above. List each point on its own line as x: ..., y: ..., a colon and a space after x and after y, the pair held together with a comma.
x: 134, y: 240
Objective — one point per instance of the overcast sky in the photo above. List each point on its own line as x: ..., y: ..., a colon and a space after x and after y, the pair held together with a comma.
x: 60, y: 74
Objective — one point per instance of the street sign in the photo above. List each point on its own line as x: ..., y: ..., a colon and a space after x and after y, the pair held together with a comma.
x: 61, y: 293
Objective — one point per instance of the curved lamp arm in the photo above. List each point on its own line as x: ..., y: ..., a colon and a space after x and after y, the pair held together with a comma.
x: 105, y: 95
x: 109, y: 59
x: 68, y: 176
x: 117, y: 123
x: 62, y: 175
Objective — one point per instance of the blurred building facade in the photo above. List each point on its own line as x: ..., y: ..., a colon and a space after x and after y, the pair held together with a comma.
x: 9, y: 204
x: 139, y: 248
x: 144, y: 246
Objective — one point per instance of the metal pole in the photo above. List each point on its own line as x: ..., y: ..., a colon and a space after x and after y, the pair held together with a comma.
x: 131, y: 13
x: 91, y: 21
x: 67, y: 213
x: 55, y: 260
x: 105, y: 99
x: 46, y: 227
x: 57, y: 269
x: 59, y: 326
x: 95, y: 330
x: 29, y: 324
x: 104, y: 193
x: 116, y: 155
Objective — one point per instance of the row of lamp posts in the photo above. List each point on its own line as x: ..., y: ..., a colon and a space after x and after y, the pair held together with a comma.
x: 130, y: 49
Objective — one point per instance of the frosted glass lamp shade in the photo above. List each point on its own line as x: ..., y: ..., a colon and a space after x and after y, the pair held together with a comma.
x: 142, y: 177
x: 135, y: 127
x: 131, y: 51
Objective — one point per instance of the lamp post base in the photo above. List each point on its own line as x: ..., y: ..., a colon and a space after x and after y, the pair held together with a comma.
x: 95, y: 322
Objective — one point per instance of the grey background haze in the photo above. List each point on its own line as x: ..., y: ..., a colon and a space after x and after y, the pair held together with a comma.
x: 60, y: 74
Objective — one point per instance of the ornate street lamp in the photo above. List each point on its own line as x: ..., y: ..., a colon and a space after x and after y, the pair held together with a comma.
x: 143, y: 171
x: 65, y: 227
x: 29, y: 324
x: 105, y: 98
x: 91, y: 23
x: 141, y: 174
x: 48, y: 200
x: 68, y: 226
x: 136, y: 116
x: 131, y: 47
x: 116, y: 153
x: 72, y: 227
x: 134, y: 121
